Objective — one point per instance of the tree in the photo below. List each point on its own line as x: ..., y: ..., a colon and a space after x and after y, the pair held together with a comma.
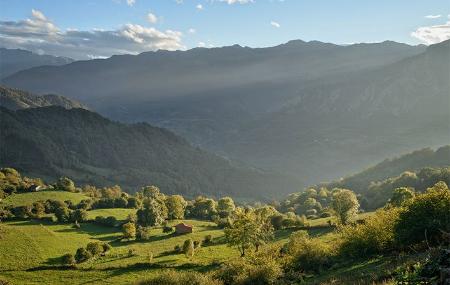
x: 203, y: 208
x: 38, y: 209
x: 175, y: 207
x: 62, y: 214
x: 129, y: 230
x: 225, y: 206
x: 345, y: 205
x: 79, y: 215
x: 152, y: 192
x: 65, y: 184
x: 152, y: 214
x: 401, y: 195
x: 247, y: 231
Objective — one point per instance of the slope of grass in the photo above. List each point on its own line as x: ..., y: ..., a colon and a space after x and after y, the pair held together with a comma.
x: 120, y: 214
x: 21, y: 199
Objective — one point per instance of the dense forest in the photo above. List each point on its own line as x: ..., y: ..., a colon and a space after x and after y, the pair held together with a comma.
x: 50, y: 142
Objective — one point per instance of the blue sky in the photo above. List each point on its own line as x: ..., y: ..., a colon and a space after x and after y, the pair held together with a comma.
x: 176, y: 24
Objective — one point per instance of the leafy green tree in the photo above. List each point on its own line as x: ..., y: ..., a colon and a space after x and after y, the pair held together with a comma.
x: 401, y: 195
x: 62, y: 214
x: 38, y: 209
x: 65, y: 184
x: 22, y: 211
x: 247, y: 231
x: 175, y: 207
x: 225, y: 206
x: 152, y: 192
x: 79, y: 215
x: 344, y: 204
x: 129, y: 230
x: 152, y: 214
x: 203, y: 208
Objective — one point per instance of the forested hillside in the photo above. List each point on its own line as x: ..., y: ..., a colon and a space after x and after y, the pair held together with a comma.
x: 15, y: 99
x: 50, y: 142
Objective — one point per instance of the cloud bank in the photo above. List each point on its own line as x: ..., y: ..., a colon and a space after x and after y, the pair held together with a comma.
x: 433, y: 34
x: 40, y: 35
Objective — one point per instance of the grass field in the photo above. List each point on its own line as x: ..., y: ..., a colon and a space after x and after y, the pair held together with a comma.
x: 120, y: 214
x: 30, y: 250
x: 21, y: 199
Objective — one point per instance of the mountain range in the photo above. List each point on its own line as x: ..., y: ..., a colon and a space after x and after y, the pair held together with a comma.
x: 14, y: 60
x: 311, y: 110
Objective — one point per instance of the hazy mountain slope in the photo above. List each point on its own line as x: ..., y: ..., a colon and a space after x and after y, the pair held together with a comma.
x: 393, y: 167
x: 314, y: 110
x: 14, y: 60
x: 204, y: 93
x: 337, y: 125
x: 51, y: 141
x: 15, y: 99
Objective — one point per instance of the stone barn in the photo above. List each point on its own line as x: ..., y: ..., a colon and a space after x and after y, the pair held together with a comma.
x: 183, y: 228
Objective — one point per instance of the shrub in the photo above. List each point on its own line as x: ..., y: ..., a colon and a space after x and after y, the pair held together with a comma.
x: 308, y: 254
x: 79, y: 215
x: 375, y: 235
x: 177, y: 249
x: 181, y: 278
x: 197, y: 243
x: 167, y: 229
x: 68, y: 259
x: 129, y: 230
x: 424, y: 217
x: 143, y: 233
x: 106, y: 247
x: 82, y: 255
x: 207, y: 239
x: 188, y: 247
x: 256, y: 268
x: 95, y: 248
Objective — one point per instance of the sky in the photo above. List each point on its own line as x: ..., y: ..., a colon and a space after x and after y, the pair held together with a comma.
x: 84, y: 29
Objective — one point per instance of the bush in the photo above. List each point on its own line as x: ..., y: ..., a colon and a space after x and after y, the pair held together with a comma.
x: 68, y: 259
x: 110, y: 221
x: 197, y: 243
x: 177, y: 249
x: 79, y: 215
x: 308, y: 254
x: 167, y: 229
x: 181, y: 278
x: 82, y: 255
x: 106, y: 247
x: 207, y: 240
x: 256, y: 268
x: 424, y: 217
x: 188, y: 247
x: 95, y: 248
x: 143, y: 233
x: 374, y: 236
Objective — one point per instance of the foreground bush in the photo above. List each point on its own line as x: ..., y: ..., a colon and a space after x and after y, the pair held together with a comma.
x: 308, y: 254
x: 261, y: 268
x: 375, y: 235
x: 181, y: 278
x: 425, y: 217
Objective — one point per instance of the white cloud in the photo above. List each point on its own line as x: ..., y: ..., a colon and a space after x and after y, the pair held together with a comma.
x: 433, y: 34
x: 192, y: 31
x: 433, y: 16
x: 275, y: 24
x: 201, y: 44
x: 151, y: 18
x: 39, y: 34
x: 131, y: 2
x: 179, y: 1
x: 199, y: 7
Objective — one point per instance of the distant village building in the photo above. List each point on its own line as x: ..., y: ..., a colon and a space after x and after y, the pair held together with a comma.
x: 182, y: 228
x: 35, y: 188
